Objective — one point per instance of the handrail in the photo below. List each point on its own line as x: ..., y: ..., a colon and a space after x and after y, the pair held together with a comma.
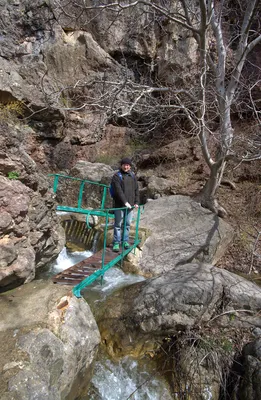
x: 81, y: 189
x: 78, y: 179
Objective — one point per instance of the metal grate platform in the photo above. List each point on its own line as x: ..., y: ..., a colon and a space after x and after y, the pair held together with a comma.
x: 78, y: 272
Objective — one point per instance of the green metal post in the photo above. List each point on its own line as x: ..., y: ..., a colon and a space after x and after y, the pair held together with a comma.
x: 137, y: 227
x: 87, y: 221
x: 103, y: 197
x: 105, y: 239
x: 79, y: 204
x: 55, y: 183
x: 123, y: 233
x: 136, y: 240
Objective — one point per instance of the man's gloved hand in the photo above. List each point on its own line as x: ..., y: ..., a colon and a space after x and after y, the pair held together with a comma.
x: 136, y: 205
x: 128, y: 205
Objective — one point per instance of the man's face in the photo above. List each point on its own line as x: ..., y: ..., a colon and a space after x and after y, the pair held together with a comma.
x: 126, y: 167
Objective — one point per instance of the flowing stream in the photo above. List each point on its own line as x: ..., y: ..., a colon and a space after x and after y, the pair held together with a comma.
x: 127, y: 378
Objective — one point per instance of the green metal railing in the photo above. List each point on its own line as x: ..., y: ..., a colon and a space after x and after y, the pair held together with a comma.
x: 104, y: 267
x: 79, y: 208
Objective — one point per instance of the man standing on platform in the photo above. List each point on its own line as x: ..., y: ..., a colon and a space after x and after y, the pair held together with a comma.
x: 125, y: 194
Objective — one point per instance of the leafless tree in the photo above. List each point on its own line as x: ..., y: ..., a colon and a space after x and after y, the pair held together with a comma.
x: 226, y: 32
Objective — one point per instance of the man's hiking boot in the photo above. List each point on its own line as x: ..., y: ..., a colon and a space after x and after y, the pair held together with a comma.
x: 126, y: 245
x: 116, y: 248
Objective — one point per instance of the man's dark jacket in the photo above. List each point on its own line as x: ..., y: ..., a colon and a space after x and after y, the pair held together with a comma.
x: 125, y: 189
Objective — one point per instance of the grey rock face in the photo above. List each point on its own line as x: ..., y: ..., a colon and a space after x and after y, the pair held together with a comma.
x: 97, y: 172
x: 181, y: 232
x: 135, y: 33
x: 35, y: 48
x: 32, y: 237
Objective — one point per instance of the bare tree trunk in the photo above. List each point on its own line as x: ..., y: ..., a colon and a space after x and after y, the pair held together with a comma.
x: 207, y: 196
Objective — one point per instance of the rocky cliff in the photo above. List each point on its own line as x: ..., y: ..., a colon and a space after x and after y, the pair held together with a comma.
x: 54, y: 57
x: 30, y: 232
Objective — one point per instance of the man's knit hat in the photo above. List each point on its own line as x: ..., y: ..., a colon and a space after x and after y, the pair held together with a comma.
x: 126, y: 160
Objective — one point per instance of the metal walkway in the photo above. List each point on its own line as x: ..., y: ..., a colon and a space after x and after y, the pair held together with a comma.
x: 87, y: 271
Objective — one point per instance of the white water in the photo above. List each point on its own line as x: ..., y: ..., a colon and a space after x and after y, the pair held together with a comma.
x: 115, y: 278
x: 66, y: 259
x: 126, y: 378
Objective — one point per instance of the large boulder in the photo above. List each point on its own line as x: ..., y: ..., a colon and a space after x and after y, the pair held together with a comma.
x: 189, y: 296
x: 181, y: 232
x: 49, y: 341
x: 157, y: 187
x: 97, y: 172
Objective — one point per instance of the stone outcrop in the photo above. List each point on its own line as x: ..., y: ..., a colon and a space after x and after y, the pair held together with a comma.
x: 177, y: 151
x: 49, y: 340
x: 156, y: 187
x: 181, y: 231
x: 96, y: 172
x: 30, y: 231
